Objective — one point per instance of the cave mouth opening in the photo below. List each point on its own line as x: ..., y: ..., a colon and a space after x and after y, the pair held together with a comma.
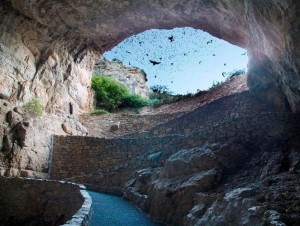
x: 184, y: 60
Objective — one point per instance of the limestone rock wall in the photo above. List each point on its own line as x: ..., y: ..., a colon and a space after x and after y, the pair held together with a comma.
x: 133, y: 78
x: 235, y: 183
x: 36, y: 63
x: 26, y: 140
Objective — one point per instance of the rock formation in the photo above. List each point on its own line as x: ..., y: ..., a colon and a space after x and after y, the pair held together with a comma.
x: 36, y: 64
x: 267, y: 29
x: 133, y: 78
x: 26, y: 140
x: 48, y: 50
x: 231, y: 183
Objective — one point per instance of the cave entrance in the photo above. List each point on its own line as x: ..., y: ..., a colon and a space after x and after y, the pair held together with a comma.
x: 185, y: 60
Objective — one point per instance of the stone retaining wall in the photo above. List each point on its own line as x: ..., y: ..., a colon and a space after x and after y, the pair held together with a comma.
x: 224, y: 109
x: 103, y: 126
x: 42, y: 202
x: 106, y: 164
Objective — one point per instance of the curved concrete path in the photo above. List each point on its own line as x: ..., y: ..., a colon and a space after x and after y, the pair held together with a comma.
x: 109, y: 210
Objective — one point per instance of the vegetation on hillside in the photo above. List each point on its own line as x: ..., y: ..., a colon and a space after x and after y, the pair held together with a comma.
x: 161, y: 95
x: 111, y: 95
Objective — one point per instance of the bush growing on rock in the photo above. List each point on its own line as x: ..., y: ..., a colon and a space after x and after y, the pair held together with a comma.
x: 111, y: 94
x: 134, y: 100
x: 160, y: 95
x: 34, y: 107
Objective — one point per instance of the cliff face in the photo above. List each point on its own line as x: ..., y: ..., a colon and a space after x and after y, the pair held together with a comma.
x: 133, y: 78
x: 35, y: 64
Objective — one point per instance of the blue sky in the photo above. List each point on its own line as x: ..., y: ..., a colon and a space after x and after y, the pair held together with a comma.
x: 189, y: 59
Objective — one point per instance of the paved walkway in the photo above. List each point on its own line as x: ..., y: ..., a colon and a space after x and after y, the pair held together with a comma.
x: 109, y: 210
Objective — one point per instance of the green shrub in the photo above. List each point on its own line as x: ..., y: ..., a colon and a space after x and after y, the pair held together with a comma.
x: 161, y: 95
x: 156, y: 102
x: 99, y: 112
x: 34, y: 107
x: 110, y: 94
x: 134, y: 100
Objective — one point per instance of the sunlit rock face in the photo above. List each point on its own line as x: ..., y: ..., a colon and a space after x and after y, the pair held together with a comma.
x: 267, y: 29
x: 132, y: 77
x: 35, y: 64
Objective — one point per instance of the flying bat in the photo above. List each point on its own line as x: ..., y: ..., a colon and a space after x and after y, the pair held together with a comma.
x: 154, y: 62
x: 171, y: 38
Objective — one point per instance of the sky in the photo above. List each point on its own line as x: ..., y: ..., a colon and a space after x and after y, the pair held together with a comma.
x: 188, y: 59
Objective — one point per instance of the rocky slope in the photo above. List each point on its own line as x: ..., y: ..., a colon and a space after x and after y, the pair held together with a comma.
x: 244, y: 173
x: 132, y: 77
x: 120, y: 124
x: 231, y: 183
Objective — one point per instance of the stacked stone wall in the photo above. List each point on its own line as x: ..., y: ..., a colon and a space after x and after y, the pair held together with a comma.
x: 106, y: 164
x: 42, y: 202
x: 128, y: 123
x: 221, y: 110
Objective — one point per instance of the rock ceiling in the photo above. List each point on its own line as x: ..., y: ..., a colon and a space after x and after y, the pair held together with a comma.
x: 268, y: 29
